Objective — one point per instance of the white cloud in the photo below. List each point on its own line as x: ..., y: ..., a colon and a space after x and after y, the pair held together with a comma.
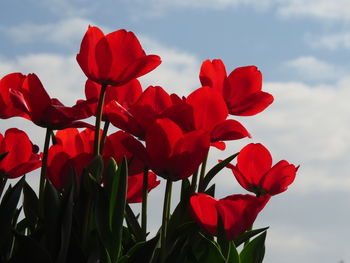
x: 320, y: 9
x: 311, y: 68
x: 66, y: 32
x: 68, y: 8
x: 331, y: 42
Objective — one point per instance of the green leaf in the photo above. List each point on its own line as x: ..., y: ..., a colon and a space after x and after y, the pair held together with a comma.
x: 66, y: 227
x: 95, y: 168
x: 29, y: 250
x: 115, y: 176
x: 247, y: 235
x: 133, y: 224
x: 30, y: 206
x: 206, y: 250
x: 214, y: 171
x: 142, y: 251
x: 254, y: 251
x: 8, y: 208
x: 119, y: 209
x: 233, y: 256
x: 52, y: 209
x: 185, y: 189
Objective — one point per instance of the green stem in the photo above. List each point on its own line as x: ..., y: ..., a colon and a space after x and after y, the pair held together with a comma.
x: 104, y: 135
x: 144, y: 203
x: 3, y: 180
x: 194, y: 182
x: 165, y: 219
x: 202, y: 174
x: 44, y: 163
x: 98, y: 120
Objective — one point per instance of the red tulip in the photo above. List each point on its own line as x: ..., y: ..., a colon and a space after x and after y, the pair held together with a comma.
x: 30, y: 97
x: 114, y: 59
x: 135, y: 184
x: 237, y: 212
x: 172, y: 154
x: 121, y: 144
x: 124, y: 96
x: 20, y: 158
x: 205, y: 109
x: 137, y: 118
x: 73, y: 152
x: 7, y: 109
x: 253, y: 171
x: 241, y: 89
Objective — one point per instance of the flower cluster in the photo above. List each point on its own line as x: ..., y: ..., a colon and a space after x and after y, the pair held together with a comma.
x: 90, y: 176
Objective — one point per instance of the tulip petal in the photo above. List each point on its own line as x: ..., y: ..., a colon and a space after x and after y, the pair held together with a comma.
x: 203, y: 211
x: 213, y: 74
x: 229, y: 130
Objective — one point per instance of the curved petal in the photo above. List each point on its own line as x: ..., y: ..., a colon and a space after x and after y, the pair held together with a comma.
x: 238, y: 212
x: 203, y: 211
x: 87, y: 56
x: 209, y: 108
x: 253, y: 161
x: 229, y: 130
x: 213, y: 74
x: 251, y: 105
x: 278, y: 178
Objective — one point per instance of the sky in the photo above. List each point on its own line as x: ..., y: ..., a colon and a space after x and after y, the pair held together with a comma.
x: 302, y: 48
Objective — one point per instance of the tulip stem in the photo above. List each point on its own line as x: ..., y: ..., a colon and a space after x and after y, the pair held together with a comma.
x: 44, y: 163
x: 194, y: 182
x: 165, y: 219
x: 104, y: 135
x: 202, y: 174
x: 98, y: 120
x: 144, y: 203
x: 3, y: 181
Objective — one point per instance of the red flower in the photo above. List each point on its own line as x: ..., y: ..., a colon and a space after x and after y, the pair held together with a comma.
x: 29, y: 96
x: 205, y: 109
x: 121, y: 144
x: 172, y: 154
x: 135, y: 183
x: 114, y: 59
x: 20, y: 158
x: 137, y: 118
x: 241, y: 89
x: 124, y: 96
x: 237, y: 212
x: 254, y: 172
x: 73, y: 152
x: 7, y: 109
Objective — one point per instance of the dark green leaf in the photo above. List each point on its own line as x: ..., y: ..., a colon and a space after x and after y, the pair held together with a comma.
x: 8, y: 209
x: 95, y: 168
x: 214, y: 171
x: 66, y: 227
x: 254, y: 251
x: 233, y: 256
x: 142, y: 251
x: 118, y: 212
x: 29, y: 250
x: 30, y: 206
x: 133, y: 224
x: 206, y: 250
x: 247, y: 235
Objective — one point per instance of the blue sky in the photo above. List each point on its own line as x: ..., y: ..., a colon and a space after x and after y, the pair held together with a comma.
x: 302, y: 48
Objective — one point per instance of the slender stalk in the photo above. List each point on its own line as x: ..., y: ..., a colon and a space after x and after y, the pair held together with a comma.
x: 144, y: 203
x: 44, y: 163
x: 194, y: 182
x: 202, y: 174
x: 98, y: 120
x: 3, y: 181
x: 165, y: 219
x: 104, y: 135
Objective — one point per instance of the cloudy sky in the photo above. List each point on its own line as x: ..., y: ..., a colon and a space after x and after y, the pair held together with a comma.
x: 302, y: 48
